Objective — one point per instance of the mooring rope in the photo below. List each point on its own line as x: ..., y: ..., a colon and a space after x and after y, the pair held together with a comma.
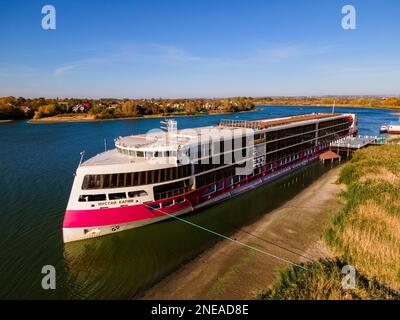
x: 230, y: 239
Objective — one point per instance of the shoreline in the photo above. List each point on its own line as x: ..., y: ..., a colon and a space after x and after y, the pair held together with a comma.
x: 85, y: 118
x: 329, y: 106
x: 229, y: 271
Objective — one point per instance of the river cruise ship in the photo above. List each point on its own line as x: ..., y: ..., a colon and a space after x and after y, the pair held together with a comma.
x: 154, y: 176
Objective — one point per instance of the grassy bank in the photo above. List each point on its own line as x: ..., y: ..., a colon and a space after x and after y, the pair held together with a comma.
x: 365, y: 233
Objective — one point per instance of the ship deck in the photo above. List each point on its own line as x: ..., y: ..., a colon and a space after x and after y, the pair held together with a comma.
x: 275, y: 122
x: 161, y: 141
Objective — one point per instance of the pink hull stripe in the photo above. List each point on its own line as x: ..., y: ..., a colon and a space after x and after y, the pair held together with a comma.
x: 111, y: 216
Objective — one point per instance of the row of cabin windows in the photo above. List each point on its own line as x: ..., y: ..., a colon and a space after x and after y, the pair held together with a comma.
x: 167, y: 203
x: 309, y: 133
x: 112, y: 196
x: 324, y: 136
x: 326, y: 124
x: 221, y: 184
x: 214, y: 183
x: 219, y: 161
x: 194, y: 151
x: 121, y: 180
x: 283, y: 133
x: 214, y: 176
x: 147, y: 154
x: 208, y: 179
x: 216, y: 147
x: 171, y: 189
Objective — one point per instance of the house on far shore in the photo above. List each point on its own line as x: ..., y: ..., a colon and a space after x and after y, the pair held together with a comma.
x: 63, y: 104
x: 81, y: 107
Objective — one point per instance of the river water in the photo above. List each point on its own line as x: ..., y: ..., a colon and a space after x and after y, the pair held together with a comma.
x: 37, y: 162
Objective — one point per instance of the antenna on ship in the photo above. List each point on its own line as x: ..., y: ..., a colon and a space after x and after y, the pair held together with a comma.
x: 333, y: 107
x: 105, y: 145
x: 82, y: 154
x: 170, y: 126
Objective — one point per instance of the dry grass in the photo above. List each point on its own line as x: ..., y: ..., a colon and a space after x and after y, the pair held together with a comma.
x: 367, y: 230
x: 381, y: 174
x: 365, y: 234
x: 322, y: 281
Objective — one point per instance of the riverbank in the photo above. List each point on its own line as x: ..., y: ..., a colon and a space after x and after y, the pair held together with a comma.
x: 394, y: 108
x: 90, y: 118
x: 229, y: 271
x: 363, y: 234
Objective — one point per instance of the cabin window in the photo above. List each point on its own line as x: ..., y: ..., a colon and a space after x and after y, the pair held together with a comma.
x: 174, y: 174
x: 235, y: 179
x: 92, y: 197
x: 139, y: 154
x: 179, y: 200
x: 129, y: 179
x: 163, y: 176
x: 141, y: 178
x: 154, y: 206
x: 121, y: 180
x: 208, y: 190
x: 106, y: 183
x: 117, y: 196
x: 136, y: 194
x: 135, y: 178
x: 168, y: 203
x: 220, y: 186
x: 156, y: 177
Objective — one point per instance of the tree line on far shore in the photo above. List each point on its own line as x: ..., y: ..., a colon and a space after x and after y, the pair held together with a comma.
x: 357, y: 101
x: 22, y: 108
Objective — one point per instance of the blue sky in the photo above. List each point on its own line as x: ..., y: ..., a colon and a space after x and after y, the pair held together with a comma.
x: 199, y: 48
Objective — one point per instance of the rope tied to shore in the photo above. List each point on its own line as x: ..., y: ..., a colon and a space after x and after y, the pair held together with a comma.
x: 230, y: 239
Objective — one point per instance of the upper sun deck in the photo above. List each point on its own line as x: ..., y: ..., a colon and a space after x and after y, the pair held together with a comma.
x: 165, y: 144
x: 278, y: 122
x: 171, y: 140
x: 173, y: 144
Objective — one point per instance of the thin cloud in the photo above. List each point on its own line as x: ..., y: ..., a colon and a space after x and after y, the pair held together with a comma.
x: 147, y: 54
x: 152, y: 54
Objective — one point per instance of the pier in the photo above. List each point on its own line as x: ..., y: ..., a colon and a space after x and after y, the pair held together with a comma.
x: 345, y: 147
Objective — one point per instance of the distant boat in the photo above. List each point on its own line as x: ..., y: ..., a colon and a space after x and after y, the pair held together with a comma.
x: 384, y: 128
x: 390, y: 128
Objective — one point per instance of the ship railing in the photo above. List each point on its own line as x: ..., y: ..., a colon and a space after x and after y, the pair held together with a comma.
x: 239, y: 123
x: 170, y: 193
